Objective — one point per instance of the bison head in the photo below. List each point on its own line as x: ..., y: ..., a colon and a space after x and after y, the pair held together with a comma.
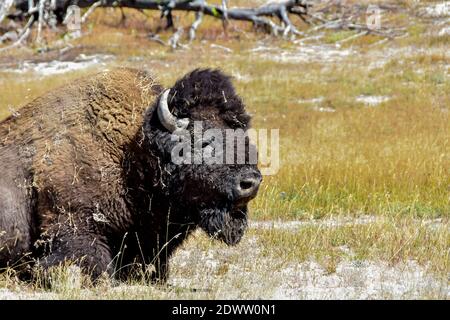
x: 217, y: 176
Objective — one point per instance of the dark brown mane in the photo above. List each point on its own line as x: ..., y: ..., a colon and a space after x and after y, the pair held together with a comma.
x: 207, y: 87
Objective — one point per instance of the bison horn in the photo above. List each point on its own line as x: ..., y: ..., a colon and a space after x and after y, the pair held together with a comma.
x: 168, y: 120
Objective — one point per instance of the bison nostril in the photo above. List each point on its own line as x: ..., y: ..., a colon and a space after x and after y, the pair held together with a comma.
x: 247, y: 188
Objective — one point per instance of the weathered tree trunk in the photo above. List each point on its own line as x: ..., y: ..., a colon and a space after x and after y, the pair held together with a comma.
x: 272, y: 17
x: 259, y: 16
x: 5, y: 6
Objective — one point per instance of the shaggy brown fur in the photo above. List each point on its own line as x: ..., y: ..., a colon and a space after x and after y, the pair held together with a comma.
x: 70, y: 144
x: 85, y: 174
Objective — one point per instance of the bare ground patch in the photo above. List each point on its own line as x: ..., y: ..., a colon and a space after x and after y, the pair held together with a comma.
x: 206, y: 269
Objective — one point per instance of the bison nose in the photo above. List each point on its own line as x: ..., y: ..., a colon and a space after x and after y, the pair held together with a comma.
x: 247, y: 187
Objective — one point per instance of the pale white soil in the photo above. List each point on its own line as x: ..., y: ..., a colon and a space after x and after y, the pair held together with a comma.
x: 59, y: 67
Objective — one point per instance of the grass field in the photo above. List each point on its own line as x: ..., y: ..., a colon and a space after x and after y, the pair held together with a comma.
x: 360, y: 207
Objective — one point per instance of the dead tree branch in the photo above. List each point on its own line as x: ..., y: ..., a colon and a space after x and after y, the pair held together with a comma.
x: 91, y: 10
x: 40, y: 20
x: 272, y: 17
x: 4, y: 8
x: 259, y: 16
x: 22, y: 36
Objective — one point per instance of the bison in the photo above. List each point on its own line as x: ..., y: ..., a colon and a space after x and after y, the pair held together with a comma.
x: 87, y: 177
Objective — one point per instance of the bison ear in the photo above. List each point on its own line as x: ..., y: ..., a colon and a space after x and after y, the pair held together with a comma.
x: 167, y: 119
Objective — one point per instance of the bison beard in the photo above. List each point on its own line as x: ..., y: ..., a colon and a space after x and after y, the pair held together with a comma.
x: 87, y: 176
x: 228, y: 226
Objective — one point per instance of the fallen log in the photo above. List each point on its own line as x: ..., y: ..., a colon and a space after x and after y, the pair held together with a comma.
x: 259, y: 16
x: 272, y: 17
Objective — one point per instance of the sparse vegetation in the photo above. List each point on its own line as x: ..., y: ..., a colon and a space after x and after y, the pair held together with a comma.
x: 340, y: 158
